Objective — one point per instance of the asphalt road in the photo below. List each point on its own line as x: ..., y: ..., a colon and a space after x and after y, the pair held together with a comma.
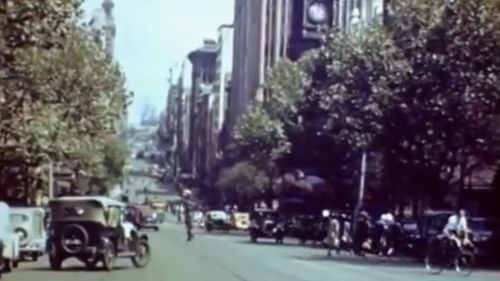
x: 218, y: 257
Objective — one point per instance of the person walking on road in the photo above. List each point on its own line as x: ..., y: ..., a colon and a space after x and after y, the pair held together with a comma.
x: 186, y: 196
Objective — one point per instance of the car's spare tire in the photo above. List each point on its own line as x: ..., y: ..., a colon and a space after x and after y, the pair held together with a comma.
x: 23, y: 236
x: 74, y: 238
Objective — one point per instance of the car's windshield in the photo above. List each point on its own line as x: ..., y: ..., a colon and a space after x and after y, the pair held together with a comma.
x: 18, y: 218
x: 251, y: 140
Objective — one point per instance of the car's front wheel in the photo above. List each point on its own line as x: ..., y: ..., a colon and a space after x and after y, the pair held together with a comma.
x: 143, y: 255
x: 108, y: 256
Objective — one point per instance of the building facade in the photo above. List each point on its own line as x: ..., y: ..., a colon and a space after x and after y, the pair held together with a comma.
x: 103, y: 27
x: 203, y: 78
x: 266, y: 31
x: 224, y: 68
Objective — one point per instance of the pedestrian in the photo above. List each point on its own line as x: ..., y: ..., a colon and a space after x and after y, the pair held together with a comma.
x: 187, y: 196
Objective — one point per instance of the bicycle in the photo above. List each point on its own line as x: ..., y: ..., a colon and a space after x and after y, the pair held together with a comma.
x: 441, y: 255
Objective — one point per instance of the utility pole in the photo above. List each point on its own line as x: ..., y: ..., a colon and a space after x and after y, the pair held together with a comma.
x: 51, y: 179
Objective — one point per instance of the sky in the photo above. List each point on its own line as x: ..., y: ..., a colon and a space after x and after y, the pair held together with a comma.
x: 156, y: 35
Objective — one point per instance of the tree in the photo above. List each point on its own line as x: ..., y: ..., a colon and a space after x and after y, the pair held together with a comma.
x: 423, y: 91
x: 62, y: 100
x: 260, y: 139
x: 243, y: 177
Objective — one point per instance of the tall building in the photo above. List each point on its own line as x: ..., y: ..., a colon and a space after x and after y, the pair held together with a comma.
x: 224, y: 68
x: 247, y: 69
x: 203, y: 78
x: 266, y: 31
x: 103, y: 27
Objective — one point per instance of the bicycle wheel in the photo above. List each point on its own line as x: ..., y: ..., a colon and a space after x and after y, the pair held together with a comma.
x: 464, y: 263
x: 435, y: 259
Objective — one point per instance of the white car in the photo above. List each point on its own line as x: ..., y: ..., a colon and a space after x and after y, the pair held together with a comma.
x: 28, y: 224
x: 9, y: 242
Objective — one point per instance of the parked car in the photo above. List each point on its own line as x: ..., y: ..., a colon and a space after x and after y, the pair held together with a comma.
x: 143, y: 217
x: 198, y: 219
x: 266, y: 223
x: 483, y: 236
x: 240, y: 220
x: 160, y: 208
x: 90, y: 229
x: 410, y: 240
x: 308, y: 228
x: 9, y: 243
x: 217, y: 220
x: 28, y: 223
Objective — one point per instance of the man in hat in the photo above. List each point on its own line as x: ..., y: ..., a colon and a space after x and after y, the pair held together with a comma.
x: 361, y: 232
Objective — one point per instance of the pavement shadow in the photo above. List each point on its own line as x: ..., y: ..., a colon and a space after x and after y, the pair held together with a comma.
x: 351, y: 259
x: 270, y: 243
x: 222, y: 233
x: 76, y: 268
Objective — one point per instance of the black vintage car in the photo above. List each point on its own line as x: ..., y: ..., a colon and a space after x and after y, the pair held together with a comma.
x: 485, y: 237
x: 265, y: 223
x: 308, y: 228
x: 305, y: 220
x: 93, y: 230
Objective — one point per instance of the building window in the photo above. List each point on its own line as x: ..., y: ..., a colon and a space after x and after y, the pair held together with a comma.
x: 378, y: 10
x: 355, y: 19
x: 341, y: 14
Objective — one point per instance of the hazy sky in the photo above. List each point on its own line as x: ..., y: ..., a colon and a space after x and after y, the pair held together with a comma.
x: 155, y: 35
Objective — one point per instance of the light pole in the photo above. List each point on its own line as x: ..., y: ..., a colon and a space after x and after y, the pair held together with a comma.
x: 51, y: 179
x: 361, y: 192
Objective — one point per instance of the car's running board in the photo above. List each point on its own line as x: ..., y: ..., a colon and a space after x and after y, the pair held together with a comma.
x: 127, y: 254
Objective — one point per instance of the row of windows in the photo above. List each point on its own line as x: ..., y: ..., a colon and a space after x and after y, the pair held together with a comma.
x: 351, y: 14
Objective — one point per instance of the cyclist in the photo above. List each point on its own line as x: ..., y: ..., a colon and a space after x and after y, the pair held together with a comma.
x: 457, y: 228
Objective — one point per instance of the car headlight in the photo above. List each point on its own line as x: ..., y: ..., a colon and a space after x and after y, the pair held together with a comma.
x: 317, y: 12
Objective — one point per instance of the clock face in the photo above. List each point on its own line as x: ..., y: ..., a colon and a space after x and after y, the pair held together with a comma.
x: 317, y: 13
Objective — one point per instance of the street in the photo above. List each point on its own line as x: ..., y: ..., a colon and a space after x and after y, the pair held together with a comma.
x: 217, y: 257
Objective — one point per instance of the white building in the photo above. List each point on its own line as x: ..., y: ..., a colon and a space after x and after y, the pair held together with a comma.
x: 103, y: 27
x: 224, y: 70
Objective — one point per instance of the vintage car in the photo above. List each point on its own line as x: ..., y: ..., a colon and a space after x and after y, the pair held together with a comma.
x: 240, y: 220
x: 93, y: 230
x: 9, y: 242
x: 308, y: 227
x: 28, y: 223
x: 198, y: 219
x: 266, y: 223
x: 143, y: 217
x: 217, y: 219
x: 160, y: 208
